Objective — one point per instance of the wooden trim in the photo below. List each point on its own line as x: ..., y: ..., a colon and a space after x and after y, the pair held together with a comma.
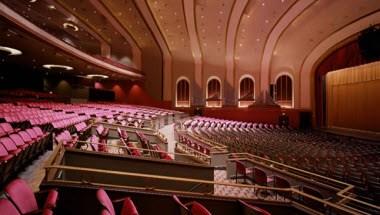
x: 291, y: 190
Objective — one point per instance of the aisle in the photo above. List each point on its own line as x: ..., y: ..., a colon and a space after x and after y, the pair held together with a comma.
x: 168, y: 131
x: 35, y: 173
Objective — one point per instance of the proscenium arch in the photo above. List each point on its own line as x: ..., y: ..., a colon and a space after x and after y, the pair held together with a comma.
x: 176, y: 88
x: 221, y: 87
x: 314, y: 57
x: 284, y: 73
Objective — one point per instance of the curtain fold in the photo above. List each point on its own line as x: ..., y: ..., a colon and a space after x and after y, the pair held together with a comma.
x: 353, y: 97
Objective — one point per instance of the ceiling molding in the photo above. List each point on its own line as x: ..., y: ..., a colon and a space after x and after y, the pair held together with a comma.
x: 136, y: 50
x: 48, y: 38
x: 153, y: 25
x: 232, y: 31
x: 189, y: 11
x: 296, y: 10
x: 313, y: 57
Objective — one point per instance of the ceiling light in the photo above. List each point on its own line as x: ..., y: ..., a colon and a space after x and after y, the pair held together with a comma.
x: 67, y: 25
x: 11, y: 51
x: 52, y: 66
x: 96, y: 76
x: 32, y: 1
x: 51, y: 7
x: 263, y: 4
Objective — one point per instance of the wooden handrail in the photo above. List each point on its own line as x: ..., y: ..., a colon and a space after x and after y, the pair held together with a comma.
x: 347, y: 188
x: 127, y: 147
x: 196, y: 151
x: 291, y: 190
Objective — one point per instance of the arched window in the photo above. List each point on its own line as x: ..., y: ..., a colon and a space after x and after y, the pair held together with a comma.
x: 246, y: 91
x: 183, y: 93
x: 284, y: 91
x: 213, y: 94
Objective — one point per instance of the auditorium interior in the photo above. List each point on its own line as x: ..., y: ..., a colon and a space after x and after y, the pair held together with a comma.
x: 189, y: 107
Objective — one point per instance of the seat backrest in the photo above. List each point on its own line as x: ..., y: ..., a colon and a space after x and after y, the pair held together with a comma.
x: 260, y: 177
x: 99, y: 129
x: 6, y: 127
x: 281, y: 182
x: 25, y: 136
x: 38, y: 131
x: 105, y: 201
x: 182, y: 209
x: 240, y: 168
x: 6, y: 207
x: 129, y: 207
x: 198, y: 209
x: 3, y: 151
x: 17, y: 139
x: 22, y: 196
x: 8, y: 143
x: 31, y: 133
x: 250, y: 209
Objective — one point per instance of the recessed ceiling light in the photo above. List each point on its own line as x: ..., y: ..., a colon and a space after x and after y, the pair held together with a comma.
x: 52, y: 66
x: 11, y: 51
x: 67, y: 25
x: 32, y: 1
x: 96, y: 76
x: 266, y: 21
x: 263, y: 4
x: 51, y: 7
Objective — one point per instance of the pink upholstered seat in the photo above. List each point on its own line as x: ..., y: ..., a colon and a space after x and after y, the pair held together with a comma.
x: 6, y: 207
x: 108, y: 208
x: 198, y: 209
x: 182, y: 209
x: 10, y: 145
x: 253, y: 209
x: 23, y: 197
x: 4, y: 155
x: 17, y: 139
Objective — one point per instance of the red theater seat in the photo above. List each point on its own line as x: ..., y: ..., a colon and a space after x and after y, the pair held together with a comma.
x: 190, y: 208
x: 198, y: 209
x: 242, y: 170
x: 108, y: 208
x: 250, y: 209
x: 23, y: 197
x: 6, y: 207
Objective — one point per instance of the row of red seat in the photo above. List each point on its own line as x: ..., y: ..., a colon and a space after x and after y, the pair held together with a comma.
x: 19, y: 199
x: 19, y: 147
x: 153, y: 148
x: 189, y: 208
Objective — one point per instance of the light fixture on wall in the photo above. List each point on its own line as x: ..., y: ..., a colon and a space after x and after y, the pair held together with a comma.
x: 97, y: 76
x: 53, y: 66
x: 10, y: 51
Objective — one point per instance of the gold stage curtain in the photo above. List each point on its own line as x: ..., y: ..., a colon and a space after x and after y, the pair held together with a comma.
x: 353, y: 97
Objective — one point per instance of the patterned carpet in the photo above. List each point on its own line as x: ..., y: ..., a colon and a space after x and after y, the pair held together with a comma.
x: 231, y: 191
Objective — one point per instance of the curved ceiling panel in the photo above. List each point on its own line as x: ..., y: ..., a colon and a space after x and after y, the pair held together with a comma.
x: 212, y: 18
x: 309, y: 29
x: 129, y: 16
x: 170, y: 18
x: 260, y: 17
